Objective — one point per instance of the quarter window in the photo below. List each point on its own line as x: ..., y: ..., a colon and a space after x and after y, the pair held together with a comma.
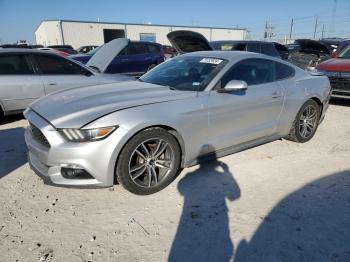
x: 54, y: 65
x: 268, y: 49
x: 252, y: 71
x: 283, y: 71
x: 15, y: 65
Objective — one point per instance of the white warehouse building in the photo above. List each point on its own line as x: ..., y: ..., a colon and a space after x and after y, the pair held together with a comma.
x: 80, y: 33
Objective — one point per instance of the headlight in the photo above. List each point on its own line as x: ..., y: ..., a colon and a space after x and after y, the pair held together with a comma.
x: 86, y: 135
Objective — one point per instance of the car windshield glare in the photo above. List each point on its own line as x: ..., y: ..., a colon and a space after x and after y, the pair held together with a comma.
x: 188, y: 73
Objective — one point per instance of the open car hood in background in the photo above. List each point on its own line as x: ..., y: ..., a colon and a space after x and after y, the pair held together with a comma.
x: 188, y: 41
x: 104, y: 56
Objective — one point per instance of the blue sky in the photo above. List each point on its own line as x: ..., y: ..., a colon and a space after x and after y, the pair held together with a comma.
x: 19, y: 18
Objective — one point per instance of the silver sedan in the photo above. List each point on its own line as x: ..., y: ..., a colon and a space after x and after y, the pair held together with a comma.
x: 193, y: 107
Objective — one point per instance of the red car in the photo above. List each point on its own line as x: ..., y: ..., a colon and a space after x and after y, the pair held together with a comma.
x: 338, y: 71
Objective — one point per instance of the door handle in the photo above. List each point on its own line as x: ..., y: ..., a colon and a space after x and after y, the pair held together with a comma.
x: 276, y: 94
x: 52, y: 83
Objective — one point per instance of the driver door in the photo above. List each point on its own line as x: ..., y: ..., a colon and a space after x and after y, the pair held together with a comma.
x: 239, y: 117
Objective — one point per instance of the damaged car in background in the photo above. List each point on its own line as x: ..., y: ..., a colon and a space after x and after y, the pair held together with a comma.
x: 28, y: 74
x: 307, y: 53
x: 190, y: 108
x: 338, y: 71
x: 122, y: 56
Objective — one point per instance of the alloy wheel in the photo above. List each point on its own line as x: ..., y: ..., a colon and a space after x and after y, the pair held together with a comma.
x: 150, y: 162
x: 308, y: 121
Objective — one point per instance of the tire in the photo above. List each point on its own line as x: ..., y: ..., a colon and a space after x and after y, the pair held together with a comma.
x: 149, y: 162
x: 305, y: 120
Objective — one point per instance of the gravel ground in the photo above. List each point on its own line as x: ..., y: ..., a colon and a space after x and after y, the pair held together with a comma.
x: 281, y: 201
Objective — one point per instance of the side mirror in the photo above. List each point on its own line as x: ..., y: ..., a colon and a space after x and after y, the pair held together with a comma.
x: 234, y: 86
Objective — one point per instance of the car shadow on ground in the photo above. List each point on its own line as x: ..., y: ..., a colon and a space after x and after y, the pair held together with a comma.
x: 13, y: 150
x: 311, y: 224
x: 340, y: 101
x: 203, y: 232
x: 10, y: 118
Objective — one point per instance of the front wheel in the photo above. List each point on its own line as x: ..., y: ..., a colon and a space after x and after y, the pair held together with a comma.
x: 149, y: 162
x: 305, y: 123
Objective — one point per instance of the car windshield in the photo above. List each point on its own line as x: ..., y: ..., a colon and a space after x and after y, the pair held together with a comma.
x: 345, y: 53
x: 189, y: 73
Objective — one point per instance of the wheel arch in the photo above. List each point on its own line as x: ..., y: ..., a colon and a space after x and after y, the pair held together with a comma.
x: 169, y: 129
x: 318, y: 101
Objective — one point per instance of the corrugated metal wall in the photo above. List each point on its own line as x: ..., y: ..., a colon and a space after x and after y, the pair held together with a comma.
x: 89, y: 33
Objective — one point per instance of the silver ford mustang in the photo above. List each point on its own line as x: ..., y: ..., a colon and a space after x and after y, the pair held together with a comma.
x: 197, y: 105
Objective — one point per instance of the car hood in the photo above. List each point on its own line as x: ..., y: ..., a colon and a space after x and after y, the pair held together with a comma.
x: 76, y: 107
x: 104, y: 56
x: 188, y: 41
x: 335, y: 64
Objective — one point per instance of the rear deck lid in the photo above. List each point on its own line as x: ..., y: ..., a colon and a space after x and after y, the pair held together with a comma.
x: 188, y: 41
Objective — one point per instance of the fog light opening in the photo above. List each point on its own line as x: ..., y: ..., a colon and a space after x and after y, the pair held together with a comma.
x: 75, y: 173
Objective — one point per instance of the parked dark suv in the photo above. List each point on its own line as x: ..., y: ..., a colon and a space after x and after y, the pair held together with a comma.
x: 267, y: 48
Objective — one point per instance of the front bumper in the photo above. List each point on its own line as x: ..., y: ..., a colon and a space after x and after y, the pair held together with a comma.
x: 48, y: 158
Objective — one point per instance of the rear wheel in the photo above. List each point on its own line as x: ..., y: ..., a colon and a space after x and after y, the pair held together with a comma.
x: 149, y: 162
x: 305, y: 123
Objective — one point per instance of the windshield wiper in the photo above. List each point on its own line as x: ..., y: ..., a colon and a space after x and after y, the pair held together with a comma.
x: 170, y: 87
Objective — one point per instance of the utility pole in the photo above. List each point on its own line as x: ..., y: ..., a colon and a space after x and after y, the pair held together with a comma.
x: 291, y: 29
x: 268, y: 31
x: 316, y: 24
x: 322, y: 31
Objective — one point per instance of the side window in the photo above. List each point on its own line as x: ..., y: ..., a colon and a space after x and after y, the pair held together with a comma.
x: 253, y: 47
x: 54, y: 65
x: 268, y: 49
x: 153, y: 49
x: 15, y: 65
x: 252, y: 71
x: 239, y: 47
x: 137, y: 49
x: 283, y: 71
x: 226, y: 47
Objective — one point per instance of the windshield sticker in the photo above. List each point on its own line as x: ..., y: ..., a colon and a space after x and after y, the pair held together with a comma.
x: 211, y: 61
x: 196, y: 83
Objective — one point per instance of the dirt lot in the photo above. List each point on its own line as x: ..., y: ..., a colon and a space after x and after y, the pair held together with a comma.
x: 278, y: 202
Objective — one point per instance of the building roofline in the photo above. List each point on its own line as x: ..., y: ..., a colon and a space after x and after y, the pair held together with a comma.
x: 118, y: 23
